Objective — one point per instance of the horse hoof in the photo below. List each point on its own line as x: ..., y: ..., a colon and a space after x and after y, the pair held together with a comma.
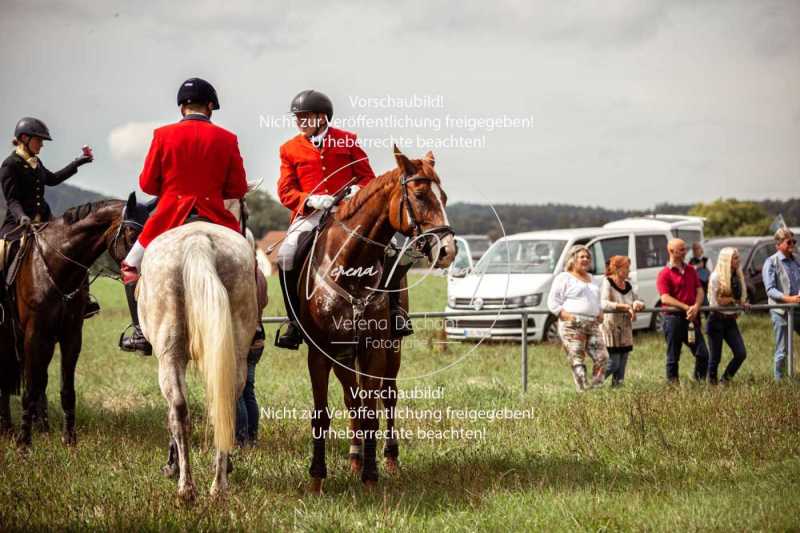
x: 218, y: 493
x: 187, y: 494
x: 316, y: 486
x: 355, y: 465
x: 169, y: 470
x: 392, y: 465
x: 23, y: 441
x: 69, y: 438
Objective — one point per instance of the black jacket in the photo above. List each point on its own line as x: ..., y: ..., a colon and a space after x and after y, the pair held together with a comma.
x: 23, y: 188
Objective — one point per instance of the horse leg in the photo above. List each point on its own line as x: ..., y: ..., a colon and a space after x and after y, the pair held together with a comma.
x: 349, y: 380
x: 70, y: 350
x: 171, y: 468
x: 391, y: 449
x: 6, y: 427
x: 374, y: 365
x: 318, y: 369
x: 172, y: 379
x: 38, y: 353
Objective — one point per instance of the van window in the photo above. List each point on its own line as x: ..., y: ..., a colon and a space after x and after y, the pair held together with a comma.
x: 688, y: 236
x: 604, y: 249
x: 462, y: 259
x: 759, y: 256
x: 651, y: 251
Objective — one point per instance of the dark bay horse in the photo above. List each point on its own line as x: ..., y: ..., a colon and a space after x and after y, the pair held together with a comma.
x: 49, y: 296
x: 343, y: 312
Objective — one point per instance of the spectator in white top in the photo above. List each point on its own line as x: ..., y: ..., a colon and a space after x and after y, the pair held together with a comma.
x: 575, y: 300
x: 726, y: 287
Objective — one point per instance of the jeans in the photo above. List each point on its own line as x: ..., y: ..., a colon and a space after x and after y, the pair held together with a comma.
x: 721, y: 328
x: 617, y: 362
x: 247, y: 409
x: 780, y: 324
x: 676, y: 331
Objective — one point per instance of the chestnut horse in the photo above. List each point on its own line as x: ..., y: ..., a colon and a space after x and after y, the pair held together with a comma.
x: 49, y: 296
x: 343, y: 313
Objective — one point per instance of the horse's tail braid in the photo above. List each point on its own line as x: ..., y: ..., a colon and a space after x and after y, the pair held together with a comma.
x: 211, y: 339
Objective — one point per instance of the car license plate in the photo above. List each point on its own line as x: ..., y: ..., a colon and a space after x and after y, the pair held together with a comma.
x: 477, y: 333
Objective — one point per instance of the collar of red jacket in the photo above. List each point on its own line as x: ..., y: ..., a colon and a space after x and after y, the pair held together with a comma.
x: 196, y: 116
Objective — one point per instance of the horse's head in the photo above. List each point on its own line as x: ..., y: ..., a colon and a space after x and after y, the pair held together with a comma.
x: 132, y: 220
x: 417, y: 208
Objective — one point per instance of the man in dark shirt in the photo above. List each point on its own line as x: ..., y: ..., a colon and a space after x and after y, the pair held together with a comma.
x: 680, y: 288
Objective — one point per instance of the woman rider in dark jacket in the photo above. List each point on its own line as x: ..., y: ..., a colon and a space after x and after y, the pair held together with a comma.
x: 24, y: 177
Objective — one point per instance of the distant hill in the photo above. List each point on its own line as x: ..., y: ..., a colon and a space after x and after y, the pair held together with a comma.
x: 61, y: 198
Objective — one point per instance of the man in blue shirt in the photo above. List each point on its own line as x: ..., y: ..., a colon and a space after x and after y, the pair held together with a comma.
x: 781, y: 275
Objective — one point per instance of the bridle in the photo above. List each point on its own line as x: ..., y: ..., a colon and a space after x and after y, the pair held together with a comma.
x: 423, y: 244
x: 68, y: 296
x: 405, y: 201
x: 126, y: 222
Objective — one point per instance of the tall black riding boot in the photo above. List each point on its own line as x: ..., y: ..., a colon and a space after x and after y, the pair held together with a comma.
x: 92, y: 305
x: 400, y: 322
x: 293, y: 336
x: 136, y: 341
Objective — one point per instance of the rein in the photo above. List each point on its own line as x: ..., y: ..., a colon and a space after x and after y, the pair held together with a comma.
x: 421, y: 248
x: 67, y: 297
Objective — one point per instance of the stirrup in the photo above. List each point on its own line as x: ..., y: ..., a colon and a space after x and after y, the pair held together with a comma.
x: 286, y: 340
x: 146, y: 349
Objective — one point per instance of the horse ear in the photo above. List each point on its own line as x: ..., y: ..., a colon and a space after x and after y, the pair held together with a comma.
x: 132, y: 202
x: 430, y: 159
x: 404, y: 163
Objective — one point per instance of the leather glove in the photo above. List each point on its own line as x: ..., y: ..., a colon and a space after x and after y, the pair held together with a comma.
x: 82, y: 160
x: 319, y: 201
x: 25, y: 220
x: 353, y: 190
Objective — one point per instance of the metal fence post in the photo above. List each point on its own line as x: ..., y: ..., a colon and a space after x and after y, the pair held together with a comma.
x: 790, y: 340
x: 524, y: 352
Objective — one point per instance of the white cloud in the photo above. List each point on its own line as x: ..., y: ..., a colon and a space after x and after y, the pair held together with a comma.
x: 131, y: 141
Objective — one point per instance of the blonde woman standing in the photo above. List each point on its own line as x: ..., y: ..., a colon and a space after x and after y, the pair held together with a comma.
x: 726, y: 287
x: 617, y: 295
x: 575, y: 300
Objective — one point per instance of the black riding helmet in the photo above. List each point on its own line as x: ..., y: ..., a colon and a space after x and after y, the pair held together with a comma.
x: 197, y: 90
x: 311, y: 101
x: 32, y: 127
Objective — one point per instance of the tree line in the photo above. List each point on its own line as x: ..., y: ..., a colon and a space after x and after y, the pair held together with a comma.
x: 724, y: 216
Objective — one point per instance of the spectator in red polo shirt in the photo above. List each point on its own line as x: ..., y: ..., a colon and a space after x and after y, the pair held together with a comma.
x: 679, y: 287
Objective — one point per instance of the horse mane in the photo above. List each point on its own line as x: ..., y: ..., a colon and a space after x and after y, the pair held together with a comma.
x: 351, y: 206
x: 386, y: 180
x: 80, y: 212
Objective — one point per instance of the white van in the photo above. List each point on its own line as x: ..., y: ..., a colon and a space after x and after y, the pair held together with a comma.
x: 518, y: 270
x: 685, y: 227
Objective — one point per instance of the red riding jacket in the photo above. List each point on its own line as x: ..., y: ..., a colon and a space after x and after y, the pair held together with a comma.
x: 306, y: 169
x: 192, y: 164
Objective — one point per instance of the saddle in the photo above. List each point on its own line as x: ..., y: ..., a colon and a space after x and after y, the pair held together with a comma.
x: 14, y: 253
x: 11, y: 259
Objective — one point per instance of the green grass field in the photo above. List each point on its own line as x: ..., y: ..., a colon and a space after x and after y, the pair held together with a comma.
x: 646, y: 456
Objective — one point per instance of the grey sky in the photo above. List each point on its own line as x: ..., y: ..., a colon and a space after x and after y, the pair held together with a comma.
x: 633, y: 102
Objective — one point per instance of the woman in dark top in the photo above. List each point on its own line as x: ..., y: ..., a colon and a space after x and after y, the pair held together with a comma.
x: 24, y: 177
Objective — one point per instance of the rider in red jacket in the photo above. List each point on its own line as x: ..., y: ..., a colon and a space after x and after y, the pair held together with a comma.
x: 192, y: 166
x: 315, y: 165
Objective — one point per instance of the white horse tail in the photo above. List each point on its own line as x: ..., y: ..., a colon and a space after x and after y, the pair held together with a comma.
x: 211, y: 339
